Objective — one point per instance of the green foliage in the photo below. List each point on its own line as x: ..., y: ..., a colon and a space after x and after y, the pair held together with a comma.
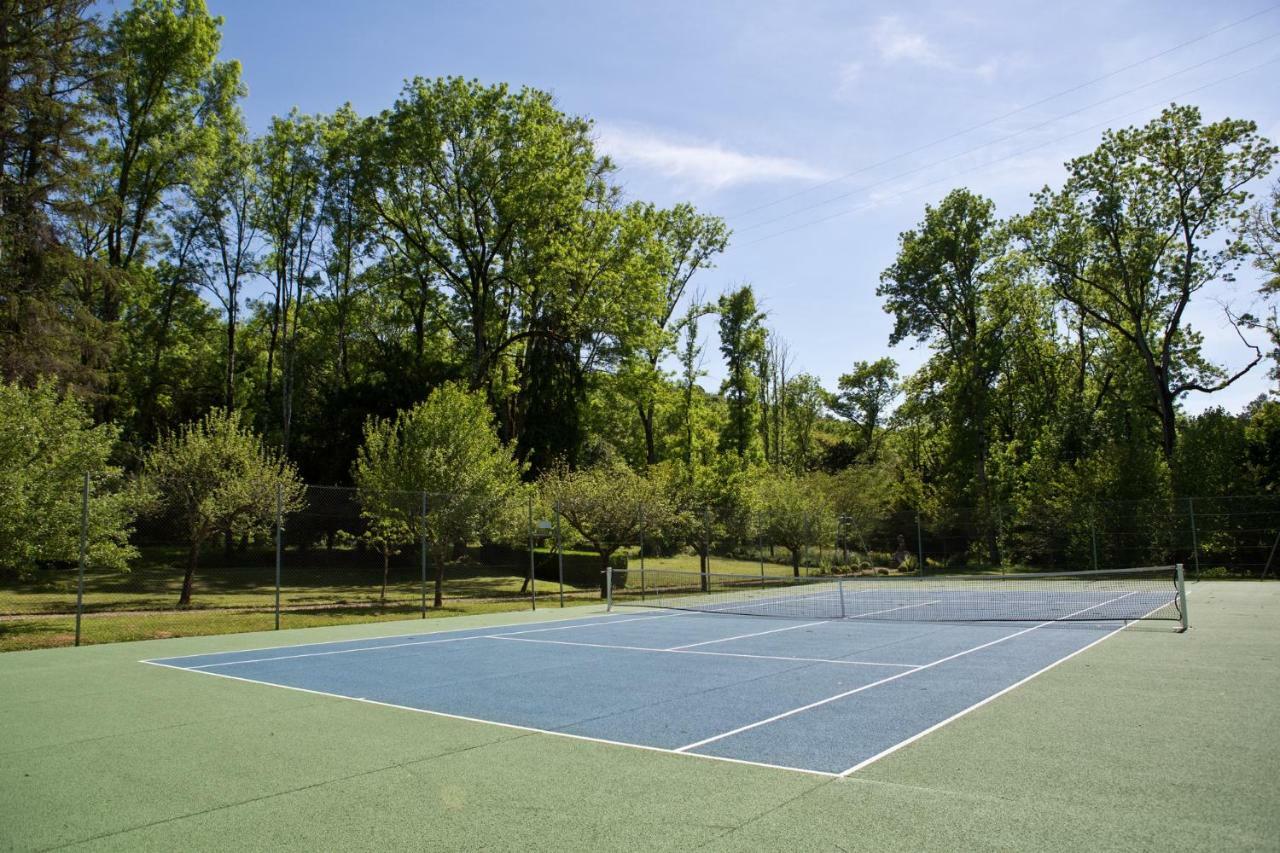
x: 608, y: 504
x: 794, y: 512
x: 48, y: 442
x: 446, y: 451
x: 865, y: 393
x: 215, y: 476
x: 742, y: 343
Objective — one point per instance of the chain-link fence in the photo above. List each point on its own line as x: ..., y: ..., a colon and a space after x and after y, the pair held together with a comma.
x: 333, y: 554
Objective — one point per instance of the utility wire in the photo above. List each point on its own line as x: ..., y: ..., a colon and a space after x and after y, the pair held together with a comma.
x: 951, y: 176
x: 1007, y: 137
x: 1001, y: 117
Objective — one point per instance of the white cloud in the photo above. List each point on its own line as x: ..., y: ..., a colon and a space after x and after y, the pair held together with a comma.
x: 709, y: 165
x: 895, y: 42
x: 849, y: 75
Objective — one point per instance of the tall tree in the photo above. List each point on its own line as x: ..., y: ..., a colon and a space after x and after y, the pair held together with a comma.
x: 288, y: 215
x: 742, y: 340
x: 47, y: 62
x: 1143, y: 224
x: 941, y: 291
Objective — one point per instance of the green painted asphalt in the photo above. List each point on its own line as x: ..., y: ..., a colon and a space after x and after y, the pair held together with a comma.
x: 1151, y: 740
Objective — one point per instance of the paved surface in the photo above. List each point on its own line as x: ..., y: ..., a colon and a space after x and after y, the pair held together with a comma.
x: 1150, y: 740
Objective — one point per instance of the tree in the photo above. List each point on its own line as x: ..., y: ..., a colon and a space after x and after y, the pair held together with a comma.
x: 215, y: 475
x: 288, y: 217
x: 794, y: 512
x: 1143, y: 224
x: 48, y: 442
x: 865, y: 392
x: 445, y: 447
x: 1262, y: 239
x: 742, y: 341
x: 166, y: 94
x: 607, y: 504
x: 806, y: 401
x: 942, y: 290
x: 49, y: 61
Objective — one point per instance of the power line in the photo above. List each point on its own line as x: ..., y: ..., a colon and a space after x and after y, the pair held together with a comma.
x: 1007, y: 137
x: 1014, y: 155
x: 991, y: 121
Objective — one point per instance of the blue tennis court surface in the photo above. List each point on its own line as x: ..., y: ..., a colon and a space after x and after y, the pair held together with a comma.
x: 822, y: 696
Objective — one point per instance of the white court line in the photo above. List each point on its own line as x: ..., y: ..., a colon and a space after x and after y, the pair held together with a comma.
x: 975, y: 706
x: 402, y: 645
x: 514, y: 726
x: 692, y: 652
x: 892, y: 609
x: 847, y: 693
x: 744, y: 636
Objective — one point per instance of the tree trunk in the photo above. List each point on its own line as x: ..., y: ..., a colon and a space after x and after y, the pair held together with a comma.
x: 193, y: 557
x: 386, y: 564
x: 795, y: 562
x: 439, y: 598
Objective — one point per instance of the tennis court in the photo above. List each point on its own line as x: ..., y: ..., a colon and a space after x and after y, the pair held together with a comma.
x: 706, y: 676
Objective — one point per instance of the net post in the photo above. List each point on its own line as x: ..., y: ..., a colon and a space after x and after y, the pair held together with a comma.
x: 706, y: 549
x: 608, y: 588
x: 533, y: 579
x: 84, y: 550
x: 1182, y: 595
x: 1195, y: 539
x: 279, y: 544
x: 422, y: 549
x: 1093, y: 535
x: 559, y: 554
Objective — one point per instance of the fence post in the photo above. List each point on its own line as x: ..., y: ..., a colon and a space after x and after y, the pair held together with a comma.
x: 422, y: 551
x: 279, y: 544
x: 642, y: 532
x: 608, y: 588
x: 559, y: 554
x: 919, y: 546
x: 840, y: 592
x: 533, y: 578
x: 1093, y: 535
x: 84, y: 551
x: 1195, y: 539
x: 706, y: 549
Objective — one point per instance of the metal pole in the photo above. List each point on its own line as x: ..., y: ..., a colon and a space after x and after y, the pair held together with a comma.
x: 642, y: 532
x: 760, y: 553
x: 279, y: 545
x: 533, y: 577
x: 559, y: 555
x: 608, y: 588
x: 840, y: 592
x: 919, y: 547
x: 422, y: 548
x: 1182, y: 597
x: 706, y: 549
x: 84, y: 550
x: 1093, y: 537
x: 1195, y: 540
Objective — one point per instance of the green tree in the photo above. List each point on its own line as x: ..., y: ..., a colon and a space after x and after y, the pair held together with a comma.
x: 794, y: 512
x: 806, y: 402
x: 742, y: 342
x: 608, y: 504
x: 445, y: 447
x: 49, y: 60
x: 215, y: 476
x: 865, y: 393
x: 1141, y: 225
x: 48, y: 442
x: 943, y: 290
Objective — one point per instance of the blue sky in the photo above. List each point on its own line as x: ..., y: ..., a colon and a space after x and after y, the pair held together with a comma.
x: 805, y: 124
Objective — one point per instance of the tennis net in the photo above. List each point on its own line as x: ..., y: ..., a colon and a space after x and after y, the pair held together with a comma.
x: 1121, y: 595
